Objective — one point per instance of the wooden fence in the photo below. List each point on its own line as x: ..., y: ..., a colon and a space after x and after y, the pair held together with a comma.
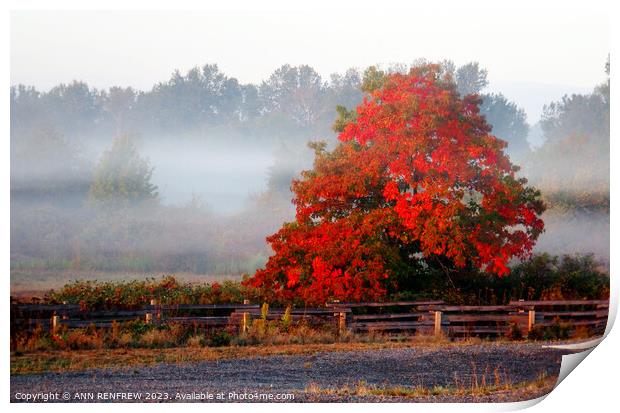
x: 425, y: 317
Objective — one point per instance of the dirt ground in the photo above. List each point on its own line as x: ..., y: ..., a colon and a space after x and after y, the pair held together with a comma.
x: 498, y: 370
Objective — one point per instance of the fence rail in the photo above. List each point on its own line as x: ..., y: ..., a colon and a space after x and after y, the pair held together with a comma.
x: 427, y: 316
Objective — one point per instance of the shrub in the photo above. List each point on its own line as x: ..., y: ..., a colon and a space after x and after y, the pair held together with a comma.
x: 536, y: 333
x: 196, y: 341
x: 569, y: 277
x: 179, y: 332
x: 117, y: 337
x: 286, y: 318
x: 125, y: 340
x: 542, y: 277
x: 557, y: 331
x: 514, y: 332
x: 582, y: 332
x: 36, y: 340
x: 220, y: 339
x: 157, y: 338
x: 83, y: 340
x: 264, y: 311
x: 93, y: 295
x: 137, y: 328
x: 560, y: 331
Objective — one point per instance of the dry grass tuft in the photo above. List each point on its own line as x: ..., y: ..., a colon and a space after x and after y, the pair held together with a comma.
x: 196, y: 341
x: 82, y: 340
x: 157, y: 338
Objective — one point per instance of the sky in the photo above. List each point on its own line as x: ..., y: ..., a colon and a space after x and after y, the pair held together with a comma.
x: 534, y: 53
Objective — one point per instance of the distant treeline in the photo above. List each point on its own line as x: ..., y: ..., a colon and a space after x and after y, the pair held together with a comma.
x: 293, y: 95
x: 294, y: 101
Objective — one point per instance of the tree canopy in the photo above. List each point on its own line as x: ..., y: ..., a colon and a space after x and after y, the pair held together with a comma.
x: 509, y: 122
x: 416, y: 181
x: 122, y: 177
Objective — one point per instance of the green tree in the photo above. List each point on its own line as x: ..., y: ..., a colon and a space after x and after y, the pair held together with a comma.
x: 118, y: 102
x: 296, y: 92
x: 204, y: 95
x: 373, y: 79
x: 509, y: 123
x: 122, y: 177
x: 345, y: 89
x: 75, y: 108
x: 471, y: 79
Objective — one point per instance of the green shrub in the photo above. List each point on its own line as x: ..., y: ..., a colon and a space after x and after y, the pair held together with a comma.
x: 220, y: 339
x: 514, y: 332
x: 542, y: 277
x: 137, y: 327
x: 557, y: 331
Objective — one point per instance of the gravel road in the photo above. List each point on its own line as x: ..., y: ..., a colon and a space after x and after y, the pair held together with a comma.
x: 415, y: 366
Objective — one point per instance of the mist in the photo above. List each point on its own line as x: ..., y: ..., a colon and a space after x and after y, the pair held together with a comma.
x: 191, y: 176
x: 576, y: 232
x: 223, y: 176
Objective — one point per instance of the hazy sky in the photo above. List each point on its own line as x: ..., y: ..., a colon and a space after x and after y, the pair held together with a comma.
x: 534, y: 53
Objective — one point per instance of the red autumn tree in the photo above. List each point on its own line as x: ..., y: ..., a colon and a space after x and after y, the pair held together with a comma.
x: 416, y: 181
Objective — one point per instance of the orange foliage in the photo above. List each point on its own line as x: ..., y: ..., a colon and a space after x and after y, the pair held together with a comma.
x: 416, y: 177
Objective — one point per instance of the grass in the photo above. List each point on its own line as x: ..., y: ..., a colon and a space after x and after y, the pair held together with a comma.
x: 68, y: 360
x: 40, y: 361
x: 478, y: 387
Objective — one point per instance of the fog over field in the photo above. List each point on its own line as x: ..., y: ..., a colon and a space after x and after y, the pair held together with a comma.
x: 223, y: 175
x: 576, y: 232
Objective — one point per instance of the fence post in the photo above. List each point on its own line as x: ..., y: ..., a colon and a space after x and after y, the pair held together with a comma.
x: 64, y: 313
x: 342, y: 323
x: 55, y: 323
x: 155, y: 303
x: 531, y: 320
x: 148, y: 318
x: 246, y: 318
x: 437, y: 323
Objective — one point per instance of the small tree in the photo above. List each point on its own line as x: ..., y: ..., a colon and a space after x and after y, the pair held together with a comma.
x: 509, y: 122
x: 122, y: 177
x: 416, y: 182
